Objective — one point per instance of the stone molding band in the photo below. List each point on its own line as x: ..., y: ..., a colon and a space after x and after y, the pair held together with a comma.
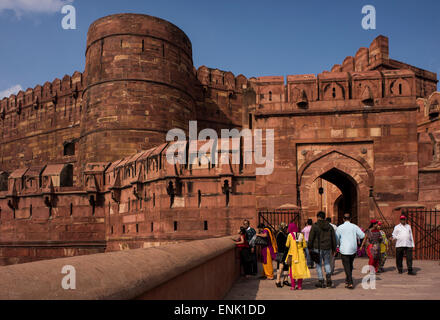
x: 138, y: 35
x: 139, y: 80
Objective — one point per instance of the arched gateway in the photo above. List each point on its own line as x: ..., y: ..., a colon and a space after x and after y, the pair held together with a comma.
x: 353, y: 178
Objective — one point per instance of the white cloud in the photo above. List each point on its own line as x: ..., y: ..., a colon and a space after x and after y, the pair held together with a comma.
x: 13, y: 90
x: 33, y: 6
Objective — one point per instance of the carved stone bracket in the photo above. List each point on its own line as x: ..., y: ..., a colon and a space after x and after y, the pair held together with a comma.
x: 137, y: 190
x: 13, y: 198
x: 13, y: 202
x: 49, y: 194
x: 171, y: 191
x: 435, y: 138
x: 116, y: 194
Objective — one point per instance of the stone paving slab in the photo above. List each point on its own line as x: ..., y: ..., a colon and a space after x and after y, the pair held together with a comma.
x: 390, y: 285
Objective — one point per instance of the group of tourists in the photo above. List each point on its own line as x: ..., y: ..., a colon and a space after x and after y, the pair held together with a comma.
x: 319, y: 243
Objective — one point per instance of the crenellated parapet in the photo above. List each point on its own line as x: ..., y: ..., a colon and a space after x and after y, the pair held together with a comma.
x: 221, y: 98
x: 335, y: 89
x: 222, y: 80
x: 365, y: 59
x: 377, y: 57
x: 58, y: 92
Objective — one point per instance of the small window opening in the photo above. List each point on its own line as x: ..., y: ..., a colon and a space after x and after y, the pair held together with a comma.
x: 175, y: 225
x: 69, y: 149
x: 205, y: 225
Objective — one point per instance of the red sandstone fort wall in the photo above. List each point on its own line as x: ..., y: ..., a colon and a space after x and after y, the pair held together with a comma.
x: 83, y: 166
x: 36, y: 125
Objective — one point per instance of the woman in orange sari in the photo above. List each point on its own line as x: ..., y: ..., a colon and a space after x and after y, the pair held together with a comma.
x: 268, y: 252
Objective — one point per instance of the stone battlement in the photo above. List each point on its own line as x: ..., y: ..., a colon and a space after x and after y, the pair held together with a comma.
x: 329, y: 89
x: 57, y: 92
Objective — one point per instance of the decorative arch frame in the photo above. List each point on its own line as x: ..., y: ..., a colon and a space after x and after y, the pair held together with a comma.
x: 405, y: 88
x: 339, y: 91
x: 359, y: 172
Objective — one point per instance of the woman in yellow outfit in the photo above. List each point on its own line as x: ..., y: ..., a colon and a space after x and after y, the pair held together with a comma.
x: 295, y: 257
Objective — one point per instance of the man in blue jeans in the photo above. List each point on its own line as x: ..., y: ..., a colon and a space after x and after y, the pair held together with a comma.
x: 322, y: 241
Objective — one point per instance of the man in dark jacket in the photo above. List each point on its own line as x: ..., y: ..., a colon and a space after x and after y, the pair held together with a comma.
x: 250, y: 233
x: 322, y: 241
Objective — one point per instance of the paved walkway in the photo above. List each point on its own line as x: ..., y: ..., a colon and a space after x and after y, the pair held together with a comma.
x: 389, y: 285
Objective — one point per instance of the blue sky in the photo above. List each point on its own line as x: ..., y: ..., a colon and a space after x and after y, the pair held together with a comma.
x: 254, y: 38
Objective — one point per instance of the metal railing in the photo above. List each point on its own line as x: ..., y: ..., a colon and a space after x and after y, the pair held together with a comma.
x: 425, y: 225
x: 273, y: 219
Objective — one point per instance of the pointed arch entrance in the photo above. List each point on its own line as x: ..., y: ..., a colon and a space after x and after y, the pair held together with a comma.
x: 336, y: 183
x: 347, y: 201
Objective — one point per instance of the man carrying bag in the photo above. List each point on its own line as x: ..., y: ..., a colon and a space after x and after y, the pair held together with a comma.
x: 322, y: 244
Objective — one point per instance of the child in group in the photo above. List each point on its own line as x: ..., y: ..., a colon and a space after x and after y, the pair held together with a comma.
x: 296, y: 258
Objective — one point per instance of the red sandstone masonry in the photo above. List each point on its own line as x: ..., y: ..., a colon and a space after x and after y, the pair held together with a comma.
x: 362, y: 118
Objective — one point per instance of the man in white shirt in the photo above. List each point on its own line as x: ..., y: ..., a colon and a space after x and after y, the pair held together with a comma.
x: 346, y: 236
x: 404, y: 244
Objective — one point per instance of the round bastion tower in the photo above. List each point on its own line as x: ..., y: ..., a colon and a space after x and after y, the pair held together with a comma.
x: 139, y: 84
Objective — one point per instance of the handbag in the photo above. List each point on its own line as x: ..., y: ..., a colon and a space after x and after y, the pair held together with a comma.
x: 279, y: 257
x: 260, y: 241
x: 252, y: 241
